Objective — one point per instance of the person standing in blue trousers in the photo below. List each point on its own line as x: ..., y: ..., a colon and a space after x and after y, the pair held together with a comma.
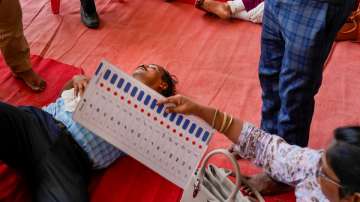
x: 297, y: 37
x: 296, y: 40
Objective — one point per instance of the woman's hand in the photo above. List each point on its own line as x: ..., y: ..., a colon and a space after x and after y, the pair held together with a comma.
x: 184, y: 105
x: 80, y: 82
x: 181, y: 104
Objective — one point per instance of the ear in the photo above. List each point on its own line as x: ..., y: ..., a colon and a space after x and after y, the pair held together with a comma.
x: 163, y: 85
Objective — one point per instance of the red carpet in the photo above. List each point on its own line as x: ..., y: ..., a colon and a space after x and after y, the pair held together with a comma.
x: 214, y: 60
x: 56, y: 74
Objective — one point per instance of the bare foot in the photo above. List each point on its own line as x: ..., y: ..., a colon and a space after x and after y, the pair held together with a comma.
x: 221, y: 9
x: 267, y: 186
x: 32, y: 80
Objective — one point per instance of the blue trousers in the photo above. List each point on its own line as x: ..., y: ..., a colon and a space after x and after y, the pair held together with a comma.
x: 41, y: 150
x: 296, y: 39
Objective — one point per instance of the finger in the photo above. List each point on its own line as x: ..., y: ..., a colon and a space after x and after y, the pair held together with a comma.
x: 85, y: 84
x: 179, y: 109
x: 82, y: 89
x: 76, y: 90
x: 169, y: 100
x: 252, y: 199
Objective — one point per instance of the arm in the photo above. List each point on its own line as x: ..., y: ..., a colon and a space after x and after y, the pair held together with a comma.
x: 285, y: 163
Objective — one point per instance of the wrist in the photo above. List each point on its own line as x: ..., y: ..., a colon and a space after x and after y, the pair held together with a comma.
x: 198, y: 110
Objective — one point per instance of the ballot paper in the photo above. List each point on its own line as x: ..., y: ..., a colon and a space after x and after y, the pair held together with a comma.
x: 124, y: 112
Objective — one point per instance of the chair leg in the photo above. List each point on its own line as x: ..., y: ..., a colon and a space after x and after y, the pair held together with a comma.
x: 55, y: 6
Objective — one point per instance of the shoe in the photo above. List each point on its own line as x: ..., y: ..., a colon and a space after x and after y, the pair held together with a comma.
x: 90, y: 20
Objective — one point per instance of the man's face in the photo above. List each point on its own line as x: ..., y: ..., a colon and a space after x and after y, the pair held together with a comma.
x: 150, y: 75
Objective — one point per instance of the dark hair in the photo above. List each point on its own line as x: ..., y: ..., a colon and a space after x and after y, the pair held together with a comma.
x: 170, y: 80
x: 344, y: 158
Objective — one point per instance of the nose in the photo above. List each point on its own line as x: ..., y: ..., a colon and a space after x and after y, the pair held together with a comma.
x: 143, y: 66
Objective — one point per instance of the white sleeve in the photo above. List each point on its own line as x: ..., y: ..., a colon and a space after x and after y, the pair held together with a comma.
x: 70, y: 100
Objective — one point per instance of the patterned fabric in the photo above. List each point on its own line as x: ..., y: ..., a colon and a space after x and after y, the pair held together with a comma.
x: 286, y: 163
x: 101, y: 153
x: 296, y: 39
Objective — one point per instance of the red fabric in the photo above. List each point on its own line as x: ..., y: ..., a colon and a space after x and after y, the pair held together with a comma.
x: 12, y: 188
x: 56, y: 74
x: 215, y: 61
x: 128, y: 180
x: 55, y: 6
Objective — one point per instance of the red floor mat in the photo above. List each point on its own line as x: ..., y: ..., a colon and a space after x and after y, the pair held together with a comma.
x: 216, y: 62
x: 56, y: 74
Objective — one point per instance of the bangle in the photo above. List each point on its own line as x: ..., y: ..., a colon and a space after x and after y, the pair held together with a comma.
x: 214, y: 119
x: 223, y: 123
x: 229, y: 124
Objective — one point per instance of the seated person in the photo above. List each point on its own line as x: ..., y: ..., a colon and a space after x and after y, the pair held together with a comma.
x: 52, y: 152
x: 317, y: 175
x: 249, y: 10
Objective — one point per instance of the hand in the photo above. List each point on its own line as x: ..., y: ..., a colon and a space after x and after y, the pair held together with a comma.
x: 80, y: 82
x: 180, y: 104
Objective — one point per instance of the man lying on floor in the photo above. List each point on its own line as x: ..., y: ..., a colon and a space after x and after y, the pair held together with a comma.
x: 55, y: 154
x: 331, y: 175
